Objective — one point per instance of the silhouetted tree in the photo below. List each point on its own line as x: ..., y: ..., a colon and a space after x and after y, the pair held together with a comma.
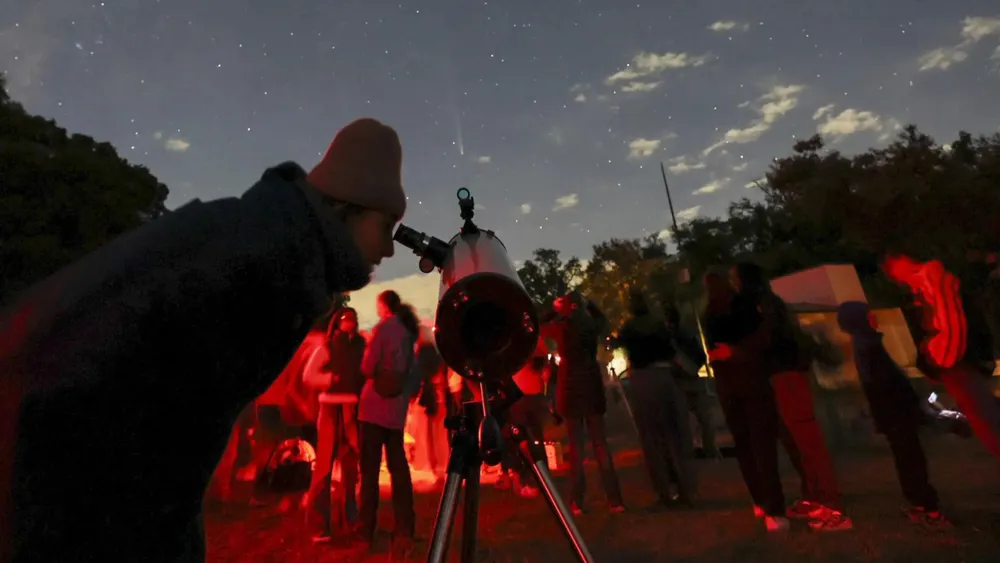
x: 62, y: 196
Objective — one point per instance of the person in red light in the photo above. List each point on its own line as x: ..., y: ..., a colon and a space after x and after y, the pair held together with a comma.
x: 334, y: 371
x: 951, y: 349
x: 122, y: 374
x: 737, y: 334
x: 580, y: 397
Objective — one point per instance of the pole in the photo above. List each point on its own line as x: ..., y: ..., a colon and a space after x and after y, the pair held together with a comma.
x: 697, y: 318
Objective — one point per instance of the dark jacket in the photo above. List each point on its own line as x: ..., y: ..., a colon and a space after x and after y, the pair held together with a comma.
x: 891, y: 398
x: 647, y: 340
x: 579, y: 380
x: 778, y: 335
x: 122, y: 374
x: 347, y: 350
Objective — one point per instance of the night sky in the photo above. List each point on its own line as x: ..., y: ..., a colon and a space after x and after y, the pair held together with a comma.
x: 555, y: 113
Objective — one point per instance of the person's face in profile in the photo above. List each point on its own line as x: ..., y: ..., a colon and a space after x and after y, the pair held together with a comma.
x: 372, y: 232
x: 382, y: 310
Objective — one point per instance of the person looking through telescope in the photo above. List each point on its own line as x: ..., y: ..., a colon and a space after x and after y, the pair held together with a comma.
x: 145, y: 351
x: 580, y: 396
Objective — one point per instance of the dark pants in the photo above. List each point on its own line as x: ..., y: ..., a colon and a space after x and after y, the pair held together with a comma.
x: 529, y: 413
x: 594, y: 424
x: 803, y: 440
x: 661, y: 417
x: 911, y: 466
x: 696, y: 396
x: 373, y: 439
x: 753, y: 419
x: 337, y: 439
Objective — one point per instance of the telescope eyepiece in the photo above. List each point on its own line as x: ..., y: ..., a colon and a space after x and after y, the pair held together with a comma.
x: 431, y: 250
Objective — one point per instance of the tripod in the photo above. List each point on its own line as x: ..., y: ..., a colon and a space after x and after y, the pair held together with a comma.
x: 478, y: 439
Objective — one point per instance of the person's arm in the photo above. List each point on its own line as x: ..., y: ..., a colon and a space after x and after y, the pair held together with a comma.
x: 314, y: 372
x: 372, y: 352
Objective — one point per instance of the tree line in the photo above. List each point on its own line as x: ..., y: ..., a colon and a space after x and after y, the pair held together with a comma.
x: 816, y: 206
x: 63, y: 195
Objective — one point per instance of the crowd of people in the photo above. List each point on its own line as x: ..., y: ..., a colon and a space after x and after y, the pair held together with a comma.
x: 128, y: 368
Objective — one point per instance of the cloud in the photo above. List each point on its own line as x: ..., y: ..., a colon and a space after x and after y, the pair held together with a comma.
x: 525, y: 208
x: 485, y: 159
x: 158, y: 135
x: 755, y: 183
x: 974, y: 30
x: 770, y: 107
x: 741, y: 167
x: 176, y: 144
x: 581, y: 97
x: 566, y: 201
x: 641, y: 86
x: 687, y: 214
x: 642, y: 148
x: 682, y: 164
x: 851, y: 121
x: 652, y: 64
x: 712, y: 187
x: 728, y: 25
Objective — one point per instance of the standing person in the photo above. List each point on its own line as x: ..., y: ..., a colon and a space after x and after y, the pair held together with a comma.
x: 896, y: 411
x: 335, y: 371
x: 661, y: 415
x: 955, y: 347
x: 788, y: 363
x: 530, y: 413
x: 737, y: 334
x: 689, y: 359
x: 145, y: 351
x: 429, y: 432
x: 385, y: 398
x: 580, y: 395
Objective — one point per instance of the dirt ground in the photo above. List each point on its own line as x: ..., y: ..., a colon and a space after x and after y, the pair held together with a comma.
x: 721, y: 529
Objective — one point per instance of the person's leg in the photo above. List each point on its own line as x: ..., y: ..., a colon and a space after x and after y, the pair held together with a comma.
x: 803, y: 433
x: 648, y: 409
x: 911, y: 467
x: 319, y: 487
x: 577, y: 477
x: 763, y: 418
x: 402, y: 485
x: 605, y: 463
x: 349, y: 455
x: 678, y: 439
x: 974, y: 398
x: 699, y: 404
x: 737, y: 421
x: 372, y: 438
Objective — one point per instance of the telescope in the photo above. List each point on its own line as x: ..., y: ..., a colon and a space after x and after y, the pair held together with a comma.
x: 486, y: 329
x: 486, y: 326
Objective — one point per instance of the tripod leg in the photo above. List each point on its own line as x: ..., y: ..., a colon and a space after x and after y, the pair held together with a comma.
x: 470, y: 514
x: 534, y: 454
x: 445, y: 516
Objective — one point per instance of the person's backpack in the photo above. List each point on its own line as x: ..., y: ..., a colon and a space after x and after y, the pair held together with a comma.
x: 389, y: 383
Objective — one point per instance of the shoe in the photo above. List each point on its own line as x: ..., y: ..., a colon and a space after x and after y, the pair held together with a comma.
x: 932, y: 519
x: 528, y: 491
x: 575, y: 509
x: 776, y: 523
x: 804, y: 509
x: 833, y: 521
x: 616, y: 508
x: 322, y: 538
x: 758, y: 512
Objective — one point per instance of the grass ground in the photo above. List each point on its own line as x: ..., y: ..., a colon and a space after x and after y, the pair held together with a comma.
x: 722, y: 528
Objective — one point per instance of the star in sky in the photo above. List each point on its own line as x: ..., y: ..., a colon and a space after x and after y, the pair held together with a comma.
x: 555, y: 114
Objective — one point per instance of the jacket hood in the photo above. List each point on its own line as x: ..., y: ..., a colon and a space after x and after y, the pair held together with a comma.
x: 852, y: 316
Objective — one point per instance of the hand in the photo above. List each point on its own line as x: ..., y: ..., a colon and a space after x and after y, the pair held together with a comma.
x: 721, y: 352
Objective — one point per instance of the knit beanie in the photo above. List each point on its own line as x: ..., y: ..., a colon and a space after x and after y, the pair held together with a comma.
x: 363, y: 166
